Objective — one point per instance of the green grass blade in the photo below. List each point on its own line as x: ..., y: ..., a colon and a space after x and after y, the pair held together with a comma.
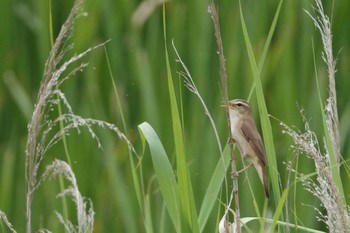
x: 269, y: 37
x: 213, y: 189
x: 143, y: 201
x: 163, y: 170
x: 7, y: 179
x: 267, y: 43
x: 61, y: 124
x: 19, y: 94
x: 50, y: 24
x: 264, y: 117
x: 115, y: 90
x: 148, y: 214
x: 137, y: 185
x: 187, y: 205
x: 264, y: 54
x: 279, y: 210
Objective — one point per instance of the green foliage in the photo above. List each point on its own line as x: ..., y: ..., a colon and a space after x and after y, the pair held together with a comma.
x: 264, y: 117
x: 163, y: 171
x: 213, y: 189
x: 183, y: 156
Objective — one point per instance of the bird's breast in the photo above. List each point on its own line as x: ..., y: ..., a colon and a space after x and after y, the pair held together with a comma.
x: 242, y: 143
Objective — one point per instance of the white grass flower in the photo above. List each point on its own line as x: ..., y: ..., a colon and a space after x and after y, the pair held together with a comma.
x: 324, y: 188
x: 3, y: 217
x: 322, y: 23
x: 41, y: 128
x: 84, y: 207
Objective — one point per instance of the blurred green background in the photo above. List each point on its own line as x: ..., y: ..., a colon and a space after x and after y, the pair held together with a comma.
x: 136, y: 52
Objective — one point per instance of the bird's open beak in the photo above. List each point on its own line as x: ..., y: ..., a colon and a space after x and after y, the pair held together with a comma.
x: 224, y: 105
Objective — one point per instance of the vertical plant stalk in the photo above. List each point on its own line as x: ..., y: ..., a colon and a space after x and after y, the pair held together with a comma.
x: 323, y: 24
x: 65, y: 146
x: 191, y: 86
x: 215, y: 17
x: 32, y: 157
x: 330, y: 120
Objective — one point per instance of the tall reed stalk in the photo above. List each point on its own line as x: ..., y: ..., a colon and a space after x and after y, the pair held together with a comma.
x: 223, y: 75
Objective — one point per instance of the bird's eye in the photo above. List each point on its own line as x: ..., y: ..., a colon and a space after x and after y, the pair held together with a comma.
x: 239, y: 104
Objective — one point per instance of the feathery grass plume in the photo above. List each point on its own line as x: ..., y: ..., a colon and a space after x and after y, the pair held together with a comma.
x: 40, y: 126
x: 3, y: 217
x: 324, y: 188
x: 85, y: 212
x: 322, y: 23
x: 327, y: 187
x: 46, y: 92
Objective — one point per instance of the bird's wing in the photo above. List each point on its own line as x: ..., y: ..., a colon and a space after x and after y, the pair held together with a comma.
x: 252, y: 135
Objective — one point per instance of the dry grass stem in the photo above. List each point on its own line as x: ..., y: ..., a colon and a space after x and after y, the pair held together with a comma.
x: 215, y: 17
x: 224, y: 225
x: 144, y: 10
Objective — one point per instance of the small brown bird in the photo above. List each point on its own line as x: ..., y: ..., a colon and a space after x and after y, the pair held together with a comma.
x: 247, y: 137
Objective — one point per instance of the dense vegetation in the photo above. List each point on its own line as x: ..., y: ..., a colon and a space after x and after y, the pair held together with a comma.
x: 126, y: 83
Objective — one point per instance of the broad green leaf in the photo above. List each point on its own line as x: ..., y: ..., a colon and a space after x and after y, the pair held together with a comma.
x: 213, y: 189
x: 279, y: 210
x: 163, y: 170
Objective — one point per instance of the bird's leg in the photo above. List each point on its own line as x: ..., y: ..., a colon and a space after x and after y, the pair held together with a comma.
x: 236, y: 174
x: 231, y: 141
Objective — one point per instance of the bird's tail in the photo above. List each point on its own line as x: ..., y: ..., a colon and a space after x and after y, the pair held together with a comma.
x: 261, y: 169
x: 266, y: 184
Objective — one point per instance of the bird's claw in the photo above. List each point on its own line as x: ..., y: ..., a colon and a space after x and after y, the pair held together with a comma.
x: 236, y: 173
x: 230, y: 141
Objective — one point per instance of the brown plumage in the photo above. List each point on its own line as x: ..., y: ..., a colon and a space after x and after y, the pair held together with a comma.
x: 248, y: 139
